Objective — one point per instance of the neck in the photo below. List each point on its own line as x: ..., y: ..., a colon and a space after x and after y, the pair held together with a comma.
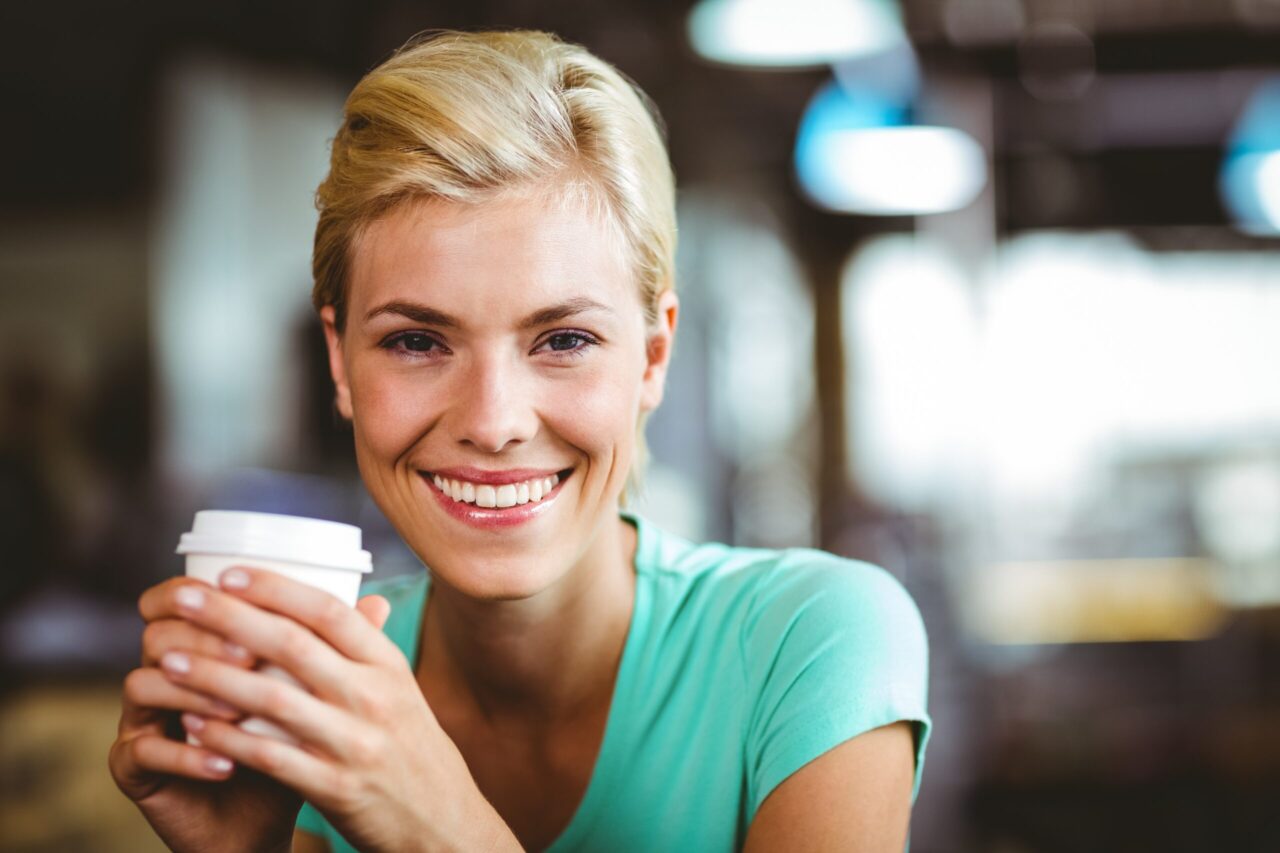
x: 541, y: 661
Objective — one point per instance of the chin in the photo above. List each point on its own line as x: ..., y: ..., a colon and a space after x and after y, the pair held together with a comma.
x: 497, y: 580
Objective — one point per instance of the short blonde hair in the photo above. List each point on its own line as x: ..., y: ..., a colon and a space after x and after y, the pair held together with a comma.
x: 467, y: 117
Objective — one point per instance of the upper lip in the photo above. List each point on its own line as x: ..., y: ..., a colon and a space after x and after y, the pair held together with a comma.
x: 494, y: 478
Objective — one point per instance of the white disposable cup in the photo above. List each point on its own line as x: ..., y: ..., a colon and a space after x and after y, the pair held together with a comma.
x: 323, y: 554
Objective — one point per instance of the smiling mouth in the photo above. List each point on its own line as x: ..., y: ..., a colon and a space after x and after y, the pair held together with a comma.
x: 503, y: 496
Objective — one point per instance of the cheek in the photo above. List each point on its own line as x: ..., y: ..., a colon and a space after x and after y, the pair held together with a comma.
x: 591, y: 407
x: 596, y: 409
x: 391, y: 411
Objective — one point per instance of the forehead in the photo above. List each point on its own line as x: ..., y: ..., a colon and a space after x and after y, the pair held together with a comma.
x: 498, y: 256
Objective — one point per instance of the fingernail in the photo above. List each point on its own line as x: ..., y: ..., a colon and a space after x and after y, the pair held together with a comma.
x: 218, y: 764
x: 189, y: 597
x: 223, y: 708
x: 192, y: 723
x: 237, y: 651
x: 176, y: 662
x: 234, y: 579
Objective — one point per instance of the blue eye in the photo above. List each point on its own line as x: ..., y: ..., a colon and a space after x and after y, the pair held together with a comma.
x: 411, y: 343
x: 570, y: 343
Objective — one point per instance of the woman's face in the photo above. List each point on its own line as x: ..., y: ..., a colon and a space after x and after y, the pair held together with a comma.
x: 501, y: 349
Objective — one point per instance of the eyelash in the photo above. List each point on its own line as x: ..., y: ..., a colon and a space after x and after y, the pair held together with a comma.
x: 393, y: 343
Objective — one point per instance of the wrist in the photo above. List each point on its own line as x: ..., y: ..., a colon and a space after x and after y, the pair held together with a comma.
x: 483, y: 831
x: 500, y: 838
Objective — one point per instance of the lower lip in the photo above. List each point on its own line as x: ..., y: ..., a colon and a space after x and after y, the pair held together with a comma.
x: 492, y: 519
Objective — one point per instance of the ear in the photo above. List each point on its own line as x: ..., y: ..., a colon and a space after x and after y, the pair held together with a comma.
x: 660, y: 338
x: 337, y: 367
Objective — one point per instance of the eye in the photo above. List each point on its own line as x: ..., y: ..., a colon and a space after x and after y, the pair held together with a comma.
x: 411, y: 344
x: 567, y: 343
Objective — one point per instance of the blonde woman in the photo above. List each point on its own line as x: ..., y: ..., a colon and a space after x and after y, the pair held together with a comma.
x: 494, y: 274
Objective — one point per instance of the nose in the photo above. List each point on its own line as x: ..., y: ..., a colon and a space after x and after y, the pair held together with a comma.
x: 493, y: 406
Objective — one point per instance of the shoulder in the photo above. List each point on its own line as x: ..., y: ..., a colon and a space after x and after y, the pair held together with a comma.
x: 768, y: 593
x: 831, y: 648
x: 814, y: 616
x: 803, y: 585
x: 814, y: 584
x: 842, y: 631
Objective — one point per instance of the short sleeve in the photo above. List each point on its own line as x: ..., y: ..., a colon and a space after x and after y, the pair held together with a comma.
x: 310, y: 820
x: 832, y: 648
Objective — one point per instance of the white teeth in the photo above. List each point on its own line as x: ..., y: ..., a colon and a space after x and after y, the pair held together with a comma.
x: 505, y: 495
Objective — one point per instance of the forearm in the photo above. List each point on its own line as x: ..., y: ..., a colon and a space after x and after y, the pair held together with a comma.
x: 501, y: 839
x: 483, y: 831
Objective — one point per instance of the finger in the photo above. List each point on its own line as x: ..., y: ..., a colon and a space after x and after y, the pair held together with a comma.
x: 147, y: 690
x: 170, y: 635
x: 273, y: 637
x: 310, y: 775
x: 307, y: 718
x: 157, y: 602
x: 134, y: 761
x: 326, y: 615
x: 376, y: 609
x: 135, y: 718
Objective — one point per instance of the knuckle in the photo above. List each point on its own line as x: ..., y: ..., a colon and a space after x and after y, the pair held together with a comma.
x: 332, y: 613
x: 347, y: 790
x: 385, y: 655
x: 369, y: 704
x: 366, y: 708
x: 366, y: 746
x: 135, y: 683
x: 113, y: 759
x: 153, y: 640
x: 295, y: 645
x: 268, y: 756
x: 278, y: 702
x: 134, y: 752
x: 213, y: 646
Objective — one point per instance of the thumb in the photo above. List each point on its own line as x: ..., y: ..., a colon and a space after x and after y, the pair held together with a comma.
x: 375, y: 608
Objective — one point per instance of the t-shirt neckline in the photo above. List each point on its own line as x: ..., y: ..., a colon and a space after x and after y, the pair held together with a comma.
x: 604, y: 775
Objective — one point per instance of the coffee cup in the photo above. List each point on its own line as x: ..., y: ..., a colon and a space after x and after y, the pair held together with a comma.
x: 323, y: 554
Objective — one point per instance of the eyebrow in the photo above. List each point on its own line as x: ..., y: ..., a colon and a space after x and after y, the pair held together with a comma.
x: 429, y: 316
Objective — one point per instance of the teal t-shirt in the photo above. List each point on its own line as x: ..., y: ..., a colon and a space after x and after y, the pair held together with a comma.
x: 741, y: 665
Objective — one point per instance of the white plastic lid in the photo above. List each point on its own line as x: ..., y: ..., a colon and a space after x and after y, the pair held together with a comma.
x: 268, y: 536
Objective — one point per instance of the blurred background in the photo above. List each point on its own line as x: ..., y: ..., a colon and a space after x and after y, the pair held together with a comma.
x: 984, y: 291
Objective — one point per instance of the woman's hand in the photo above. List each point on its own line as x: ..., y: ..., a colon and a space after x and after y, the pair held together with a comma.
x: 371, y: 756
x: 192, y: 796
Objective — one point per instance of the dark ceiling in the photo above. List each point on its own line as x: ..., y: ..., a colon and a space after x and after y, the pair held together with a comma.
x: 80, y: 80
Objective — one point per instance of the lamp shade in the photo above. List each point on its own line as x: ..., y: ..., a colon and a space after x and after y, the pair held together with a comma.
x: 1250, y: 181
x: 793, y: 33
x: 856, y: 153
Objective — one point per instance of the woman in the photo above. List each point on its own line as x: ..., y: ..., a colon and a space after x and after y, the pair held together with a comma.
x: 494, y: 273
